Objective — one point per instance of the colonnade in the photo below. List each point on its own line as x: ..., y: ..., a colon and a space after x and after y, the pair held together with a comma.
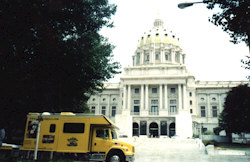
x: 163, y: 97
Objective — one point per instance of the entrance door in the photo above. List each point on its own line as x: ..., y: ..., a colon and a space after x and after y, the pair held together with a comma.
x: 153, y: 130
x: 101, y: 140
x: 172, y: 129
x: 135, y: 129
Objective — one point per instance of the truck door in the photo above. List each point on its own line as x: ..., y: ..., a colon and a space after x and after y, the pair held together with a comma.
x: 101, y: 140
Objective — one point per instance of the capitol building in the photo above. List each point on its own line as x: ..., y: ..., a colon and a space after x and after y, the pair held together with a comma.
x: 157, y: 96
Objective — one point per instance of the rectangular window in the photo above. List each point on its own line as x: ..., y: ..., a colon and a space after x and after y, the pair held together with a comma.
x: 93, y: 109
x: 191, y: 102
x: 136, y: 101
x: 136, y: 108
x: 203, y: 111
x: 172, y: 90
x: 136, y: 90
x: 172, y: 101
x: 156, y: 57
x: 73, y: 128
x: 191, y: 111
x: 103, y: 110
x: 154, y: 102
x: 190, y: 94
x: 154, y: 110
x: 166, y: 57
x: 154, y: 90
x: 214, y: 109
x: 113, y: 110
x: 173, y: 109
x: 147, y: 58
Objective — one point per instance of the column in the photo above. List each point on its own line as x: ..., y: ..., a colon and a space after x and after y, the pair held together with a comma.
x: 162, y: 56
x: 160, y: 97
x: 179, y: 97
x: 129, y: 97
x: 142, y: 97
x: 142, y: 58
x: 151, y: 58
x: 181, y: 58
x: 124, y: 97
x: 208, y: 109
x: 146, y: 98
x: 172, y: 56
x: 220, y: 108
x: 184, y: 97
x: 166, y: 97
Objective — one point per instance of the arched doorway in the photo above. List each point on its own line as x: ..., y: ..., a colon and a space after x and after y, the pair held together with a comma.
x: 172, y: 129
x: 135, y: 129
x: 153, y: 130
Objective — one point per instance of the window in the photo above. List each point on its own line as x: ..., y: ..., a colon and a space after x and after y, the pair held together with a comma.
x: 104, y: 99
x: 113, y: 134
x: 136, y: 90
x: 113, y: 110
x: 147, y: 57
x: 190, y: 94
x: 93, y: 99
x: 191, y: 111
x: 203, y: 111
x: 101, y: 133
x: 191, y: 102
x: 214, y: 110
x: 154, y: 90
x: 213, y: 99
x: 114, y: 99
x: 148, y: 35
x: 93, y: 109
x: 172, y: 90
x: 136, y: 108
x: 202, y: 99
x: 157, y: 57
x: 157, y: 34
x: 52, y: 128
x: 166, y: 57
x: 136, y: 101
x: 103, y: 110
x: 73, y: 128
x: 173, y: 109
x: 154, y: 102
x: 154, y: 109
x: 172, y: 101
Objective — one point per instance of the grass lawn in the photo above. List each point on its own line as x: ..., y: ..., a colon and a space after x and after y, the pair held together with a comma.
x: 232, y: 146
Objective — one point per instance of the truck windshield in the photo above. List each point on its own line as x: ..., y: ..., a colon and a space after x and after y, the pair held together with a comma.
x: 113, y: 133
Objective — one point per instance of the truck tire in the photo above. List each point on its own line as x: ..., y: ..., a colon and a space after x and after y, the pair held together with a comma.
x: 115, y: 156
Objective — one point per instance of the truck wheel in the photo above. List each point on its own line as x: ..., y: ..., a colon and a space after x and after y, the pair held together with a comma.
x: 115, y: 156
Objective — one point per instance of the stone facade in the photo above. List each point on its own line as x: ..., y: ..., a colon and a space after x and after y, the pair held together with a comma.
x: 157, y: 96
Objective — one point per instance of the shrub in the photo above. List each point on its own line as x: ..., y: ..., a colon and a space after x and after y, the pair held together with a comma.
x: 208, y: 133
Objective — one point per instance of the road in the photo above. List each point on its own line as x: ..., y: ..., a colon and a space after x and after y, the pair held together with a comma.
x: 176, y: 150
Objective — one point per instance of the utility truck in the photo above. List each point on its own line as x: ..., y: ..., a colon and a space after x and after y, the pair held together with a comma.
x: 79, y: 136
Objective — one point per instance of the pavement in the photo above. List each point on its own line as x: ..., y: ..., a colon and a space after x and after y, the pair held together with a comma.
x: 181, y: 150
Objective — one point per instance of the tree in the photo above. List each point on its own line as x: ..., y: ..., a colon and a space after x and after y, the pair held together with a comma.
x: 232, y: 17
x: 52, y: 56
x: 235, y: 117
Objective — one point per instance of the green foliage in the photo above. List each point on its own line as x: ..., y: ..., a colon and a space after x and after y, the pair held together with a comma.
x: 232, y: 17
x: 235, y: 117
x: 208, y: 142
x: 195, y: 136
x: 217, y: 130
x: 208, y: 132
x: 52, y: 56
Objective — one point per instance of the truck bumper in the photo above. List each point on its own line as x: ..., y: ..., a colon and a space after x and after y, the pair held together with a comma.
x: 130, y: 158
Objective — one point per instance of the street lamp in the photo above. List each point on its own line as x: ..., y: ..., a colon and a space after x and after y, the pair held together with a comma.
x: 188, y: 4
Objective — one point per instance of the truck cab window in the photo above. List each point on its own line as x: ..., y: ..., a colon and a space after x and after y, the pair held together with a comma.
x: 102, y: 133
x: 114, y: 135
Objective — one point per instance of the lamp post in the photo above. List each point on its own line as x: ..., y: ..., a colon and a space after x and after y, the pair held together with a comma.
x: 188, y: 4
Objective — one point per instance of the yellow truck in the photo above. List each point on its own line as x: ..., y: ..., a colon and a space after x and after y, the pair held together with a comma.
x: 79, y: 136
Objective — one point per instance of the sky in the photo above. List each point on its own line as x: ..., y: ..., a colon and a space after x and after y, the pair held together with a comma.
x: 209, y: 54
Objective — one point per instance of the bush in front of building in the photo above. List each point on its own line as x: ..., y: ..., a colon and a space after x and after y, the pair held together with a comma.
x: 208, y: 132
